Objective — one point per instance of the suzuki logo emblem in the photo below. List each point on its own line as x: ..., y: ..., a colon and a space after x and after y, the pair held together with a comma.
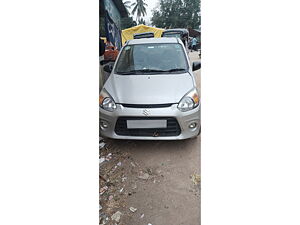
x: 146, y: 112
x: 155, y: 134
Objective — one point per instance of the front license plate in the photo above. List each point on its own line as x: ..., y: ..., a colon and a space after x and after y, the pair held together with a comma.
x: 140, y: 124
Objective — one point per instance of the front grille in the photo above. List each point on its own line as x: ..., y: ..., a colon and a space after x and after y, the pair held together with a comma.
x: 173, y: 128
x: 147, y: 106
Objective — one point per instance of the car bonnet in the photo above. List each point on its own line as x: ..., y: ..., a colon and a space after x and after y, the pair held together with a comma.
x: 149, y: 89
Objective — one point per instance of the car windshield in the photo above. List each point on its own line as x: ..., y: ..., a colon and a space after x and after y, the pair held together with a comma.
x: 151, y: 59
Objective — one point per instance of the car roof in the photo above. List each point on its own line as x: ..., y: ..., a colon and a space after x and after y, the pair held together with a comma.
x: 152, y: 41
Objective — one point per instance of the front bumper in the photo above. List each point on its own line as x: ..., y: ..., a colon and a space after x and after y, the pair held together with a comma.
x: 184, y: 119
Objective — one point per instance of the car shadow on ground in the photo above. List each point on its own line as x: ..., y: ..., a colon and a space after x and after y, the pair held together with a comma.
x: 136, y: 146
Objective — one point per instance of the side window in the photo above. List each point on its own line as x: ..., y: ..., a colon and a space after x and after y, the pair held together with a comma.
x: 125, y: 59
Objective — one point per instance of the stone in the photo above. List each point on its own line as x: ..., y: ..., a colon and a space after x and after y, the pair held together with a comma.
x: 132, y: 209
x: 116, y: 216
x: 144, y: 176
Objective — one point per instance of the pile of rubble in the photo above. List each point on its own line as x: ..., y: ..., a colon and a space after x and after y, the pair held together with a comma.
x: 115, y: 185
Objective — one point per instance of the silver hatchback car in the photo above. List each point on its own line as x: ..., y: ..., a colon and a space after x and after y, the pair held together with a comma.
x: 151, y: 93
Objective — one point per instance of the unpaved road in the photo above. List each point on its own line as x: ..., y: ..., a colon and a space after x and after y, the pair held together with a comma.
x: 169, y: 196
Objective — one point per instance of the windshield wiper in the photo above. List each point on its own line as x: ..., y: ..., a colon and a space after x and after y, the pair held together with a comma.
x: 175, y: 70
x: 139, y: 71
x: 171, y: 70
x: 150, y: 71
x: 127, y: 72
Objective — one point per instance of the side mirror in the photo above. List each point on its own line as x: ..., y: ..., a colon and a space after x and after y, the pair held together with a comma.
x: 105, y: 61
x: 108, y: 68
x: 196, y: 65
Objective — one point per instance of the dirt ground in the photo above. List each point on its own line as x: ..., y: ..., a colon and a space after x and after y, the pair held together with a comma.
x: 151, y: 182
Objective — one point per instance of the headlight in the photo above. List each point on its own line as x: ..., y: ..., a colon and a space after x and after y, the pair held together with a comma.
x: 106, y: 101
x: 189, y: 101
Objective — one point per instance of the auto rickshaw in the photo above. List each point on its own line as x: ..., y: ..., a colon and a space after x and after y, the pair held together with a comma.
x: 143, y: 35
x: 183, y: 34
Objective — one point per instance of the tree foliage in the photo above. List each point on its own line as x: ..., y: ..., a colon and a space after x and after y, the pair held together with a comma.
x: 127, y: 22
x: 127, y: 6
x: 142, y: 21
x: 139, y: 7
x: 177, y: 14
